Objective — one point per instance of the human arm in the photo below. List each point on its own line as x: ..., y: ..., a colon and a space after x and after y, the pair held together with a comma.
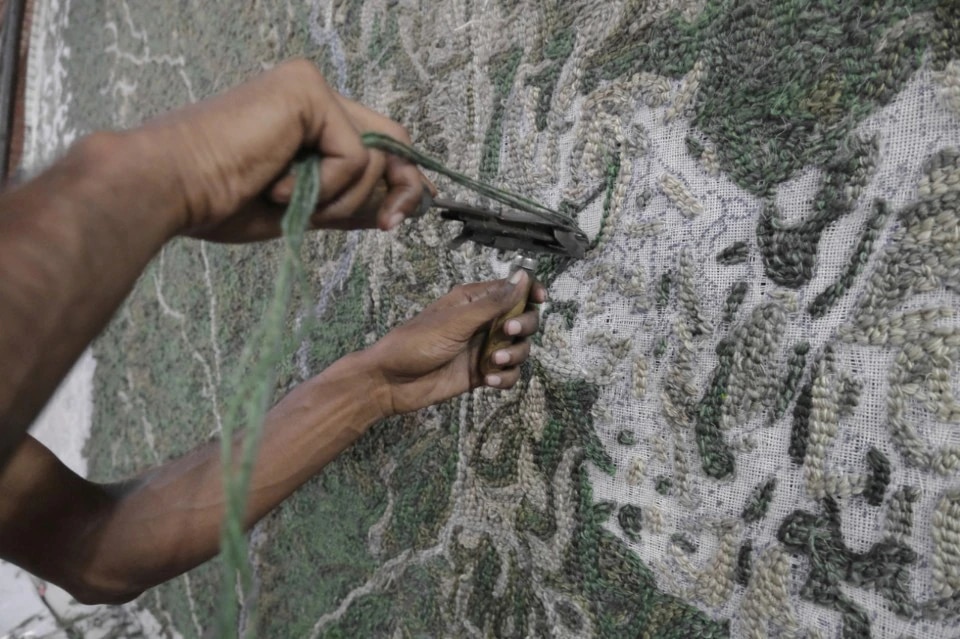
x: 74, y: 240
x: 108, y: 543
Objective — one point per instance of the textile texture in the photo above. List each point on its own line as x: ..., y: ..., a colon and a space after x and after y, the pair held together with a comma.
x: 740, y: 418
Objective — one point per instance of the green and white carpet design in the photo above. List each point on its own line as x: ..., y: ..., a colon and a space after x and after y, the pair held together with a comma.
x: 740, y: 418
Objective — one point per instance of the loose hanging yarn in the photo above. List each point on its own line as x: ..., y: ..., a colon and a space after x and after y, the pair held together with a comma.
x: 250, y: 400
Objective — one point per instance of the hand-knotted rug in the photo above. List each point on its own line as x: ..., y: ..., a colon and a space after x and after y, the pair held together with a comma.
x: 741, y: 416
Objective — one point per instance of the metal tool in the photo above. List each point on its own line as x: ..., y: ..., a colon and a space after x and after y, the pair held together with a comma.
x: 519, y: 225
x: 525, y: 234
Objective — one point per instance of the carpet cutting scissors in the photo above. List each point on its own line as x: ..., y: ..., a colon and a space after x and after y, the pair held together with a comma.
x: 517, y: 225
x: 524, y: 234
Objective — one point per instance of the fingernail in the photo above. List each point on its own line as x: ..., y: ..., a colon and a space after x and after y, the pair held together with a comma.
x: 426, y: 201
x: 394, y: 221
x: 501, y: 357
x: 512, y: 327
x: 493, y: 380
x: 517, y: 276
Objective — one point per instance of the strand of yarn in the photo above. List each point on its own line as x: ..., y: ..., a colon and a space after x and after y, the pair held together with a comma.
x: 243, y: 426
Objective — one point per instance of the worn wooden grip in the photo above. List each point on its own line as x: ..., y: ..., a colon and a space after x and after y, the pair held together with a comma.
x: 496, y: 338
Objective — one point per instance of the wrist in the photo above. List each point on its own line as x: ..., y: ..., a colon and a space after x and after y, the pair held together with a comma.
x: 150, y: 152
x: 128, y: 170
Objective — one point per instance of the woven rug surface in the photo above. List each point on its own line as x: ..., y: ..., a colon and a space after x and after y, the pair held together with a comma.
x: 741, y: 416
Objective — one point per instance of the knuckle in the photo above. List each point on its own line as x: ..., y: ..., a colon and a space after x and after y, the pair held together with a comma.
x: 302, y: 67
x: 473, y: 294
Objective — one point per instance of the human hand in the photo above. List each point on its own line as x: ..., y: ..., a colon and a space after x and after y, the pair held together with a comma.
x: 435, y: 356
x: 228, y: 158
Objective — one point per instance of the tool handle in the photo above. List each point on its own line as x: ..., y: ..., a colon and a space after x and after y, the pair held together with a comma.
x: 496, y: 339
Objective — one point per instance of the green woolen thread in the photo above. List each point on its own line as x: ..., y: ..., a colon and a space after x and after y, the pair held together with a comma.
x: 795, y: 366
x: 660, y: 347
x: 736, y: 253
x: 716, y: 457
x: 789, y: 252
x: 663, y: 290
x: 800, y: 430
x: 663, y: 485
x: 858, y: 261
x: 769, y: 121
x: 744, y: 563
x: 694, y: 146
x: 884, y: 567
x: 557, y: 50
x: 759, y: 501
x: 735, y: 297
x: 567, y: 309
x: 683, y: 541
x: 630, y: 519
x: 503, y: 71
x: 611, y: 175
x: 879, y: 477
x: 602, y: 510
x: 253, y: 392
x: 849, y: 397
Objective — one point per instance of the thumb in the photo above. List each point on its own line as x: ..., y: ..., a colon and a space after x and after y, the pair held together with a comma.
x: 480, y: 303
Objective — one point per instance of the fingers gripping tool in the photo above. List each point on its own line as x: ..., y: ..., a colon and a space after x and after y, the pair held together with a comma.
x: 522, y: 235
x: 515, y: 226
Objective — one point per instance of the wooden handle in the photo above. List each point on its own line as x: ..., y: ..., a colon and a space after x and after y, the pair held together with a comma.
x: 496, y: 338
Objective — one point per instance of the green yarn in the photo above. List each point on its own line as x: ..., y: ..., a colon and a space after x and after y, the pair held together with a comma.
x: 716, y: 456
x: 788, y: 388
x: 771, y: 120
x: 736, y: 253
x: 631, y: 521
x: 759, y: 501
x: 789, y: 252
x: 252, y: 394
x: 683, y: 541
x: 663, y: 289
x: 858, y: 261
x: 735, y: 297
x: 663, y: 485
x: 883, y: 567
x: 879, y: 477
x: 503, y: 69
x: 744, y: 563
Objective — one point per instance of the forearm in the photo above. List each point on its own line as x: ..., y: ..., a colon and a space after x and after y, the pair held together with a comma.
x: 169, y: 520
x: 72, y: 243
